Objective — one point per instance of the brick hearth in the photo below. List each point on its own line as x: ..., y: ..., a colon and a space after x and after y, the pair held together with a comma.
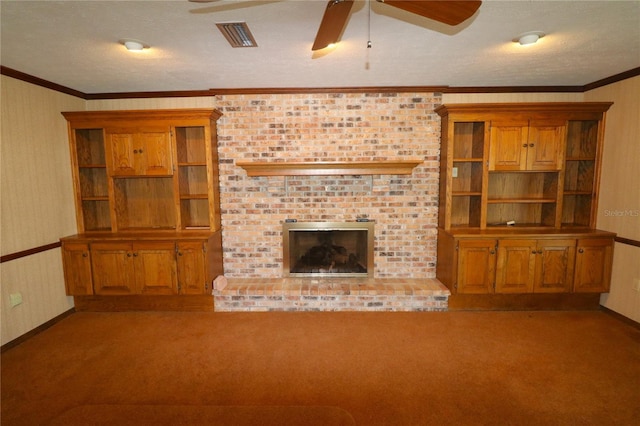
x: 331, y: 294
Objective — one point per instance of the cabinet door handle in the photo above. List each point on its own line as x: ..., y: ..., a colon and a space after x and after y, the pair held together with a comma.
x: 135, y: 254
x: 492, y: 251
x: 85, y: 254
x: 179, y: 253
x: 531, y: 145
x: 128, y: 254
x: 524, y: 145
x: 580, y: 250
x: 135, y: 151
x: 140, y: 151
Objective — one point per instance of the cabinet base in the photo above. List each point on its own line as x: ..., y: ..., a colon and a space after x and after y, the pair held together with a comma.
x: 524, y: 302
x: 143, y: 303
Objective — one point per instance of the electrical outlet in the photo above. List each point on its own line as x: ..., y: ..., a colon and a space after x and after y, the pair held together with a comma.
x: 15, y: 299
x: 636, y: 284
x: 454, y: 172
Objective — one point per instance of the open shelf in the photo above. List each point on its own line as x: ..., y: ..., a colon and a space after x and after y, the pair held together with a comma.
x: 191, y: 145
x: 95, y: 214
x: 520, y: 200
x: 466, y: 193
x: 193, y: 179
x: 523, y: 214
x: 144, y: 203
x: 92, y: 179
x: 465, y: 211
x: 468, y: 140
x: 467, y: 160
x: 194, y: 213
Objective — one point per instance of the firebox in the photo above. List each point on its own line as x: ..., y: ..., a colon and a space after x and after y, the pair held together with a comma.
x: 336, y: 249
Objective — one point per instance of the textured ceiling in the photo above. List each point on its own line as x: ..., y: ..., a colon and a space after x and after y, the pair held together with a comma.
x: 75, y: 44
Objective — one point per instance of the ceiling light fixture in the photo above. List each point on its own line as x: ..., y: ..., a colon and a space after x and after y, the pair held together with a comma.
x: 134, y: 45
x: 529, y: 38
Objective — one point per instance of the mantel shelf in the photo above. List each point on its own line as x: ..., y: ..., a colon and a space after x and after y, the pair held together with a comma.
x: 315, y: 168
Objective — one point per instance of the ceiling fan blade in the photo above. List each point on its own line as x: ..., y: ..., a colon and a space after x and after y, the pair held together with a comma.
x: 448, y: 12
x: 333, y: 22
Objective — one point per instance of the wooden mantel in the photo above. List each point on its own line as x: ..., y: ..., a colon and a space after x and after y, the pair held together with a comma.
x: 315, y: 168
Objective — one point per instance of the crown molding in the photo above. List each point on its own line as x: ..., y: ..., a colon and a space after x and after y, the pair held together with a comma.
x: 310, y: 90
x: 18, y: 75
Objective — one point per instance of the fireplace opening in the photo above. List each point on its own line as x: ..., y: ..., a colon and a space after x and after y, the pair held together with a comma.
x: 338, y: 249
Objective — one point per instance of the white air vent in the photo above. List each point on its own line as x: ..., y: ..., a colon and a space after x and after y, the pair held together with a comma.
x: 237, y: 34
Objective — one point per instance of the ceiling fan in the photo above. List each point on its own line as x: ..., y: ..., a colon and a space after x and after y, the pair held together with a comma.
x: 335, y: 17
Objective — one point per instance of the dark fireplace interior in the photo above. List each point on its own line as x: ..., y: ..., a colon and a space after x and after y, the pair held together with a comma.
x: 328, y: 249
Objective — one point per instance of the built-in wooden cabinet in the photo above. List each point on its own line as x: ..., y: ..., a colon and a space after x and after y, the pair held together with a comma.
x: 490, y: 262
x: 142, y: 264
x: 147, y: 203
x: 518, y: 199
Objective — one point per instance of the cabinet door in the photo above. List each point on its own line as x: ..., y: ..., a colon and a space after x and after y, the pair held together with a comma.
x: 155, y: 268
x: 191, y: 268
x: 112, y: 267
x: 554, y: 266
x: 516, y: 266
x: 508, y: 145
x: 76, y: 261
x: 593, y: 265
x: 545, y: 146
x: 476, y: 266
x: 154, y: 152
x: 120, y: 149
x: 139, y: 152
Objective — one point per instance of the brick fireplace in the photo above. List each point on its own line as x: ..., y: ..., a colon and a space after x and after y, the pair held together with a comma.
x: 329, y: 127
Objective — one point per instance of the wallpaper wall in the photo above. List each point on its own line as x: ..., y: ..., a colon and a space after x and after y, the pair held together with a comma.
x: 37, y: 202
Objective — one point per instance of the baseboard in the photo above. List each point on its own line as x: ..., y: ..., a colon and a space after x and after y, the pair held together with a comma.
x: 39, y: 329
x: 199, y: 303
x: 525, y: 302
x: 621, y: 317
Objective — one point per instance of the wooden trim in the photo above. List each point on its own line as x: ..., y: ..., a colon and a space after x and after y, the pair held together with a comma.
x: 621, y: 317
x: 613, y: 79
x: 627, y: 241
x: 143, y: 95
x: 191, y: 303
x: 307, y: 90
x: 42, y: 327
x: 29, y: 252
x: 487, y: 111
x: 525, y: 302
x: 514, y: 89
x: 9, y: 72
x: 104, y: 118
x: 316, y: 168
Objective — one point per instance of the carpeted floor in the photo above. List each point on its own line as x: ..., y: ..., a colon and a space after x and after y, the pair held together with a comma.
x: 326, y: 368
